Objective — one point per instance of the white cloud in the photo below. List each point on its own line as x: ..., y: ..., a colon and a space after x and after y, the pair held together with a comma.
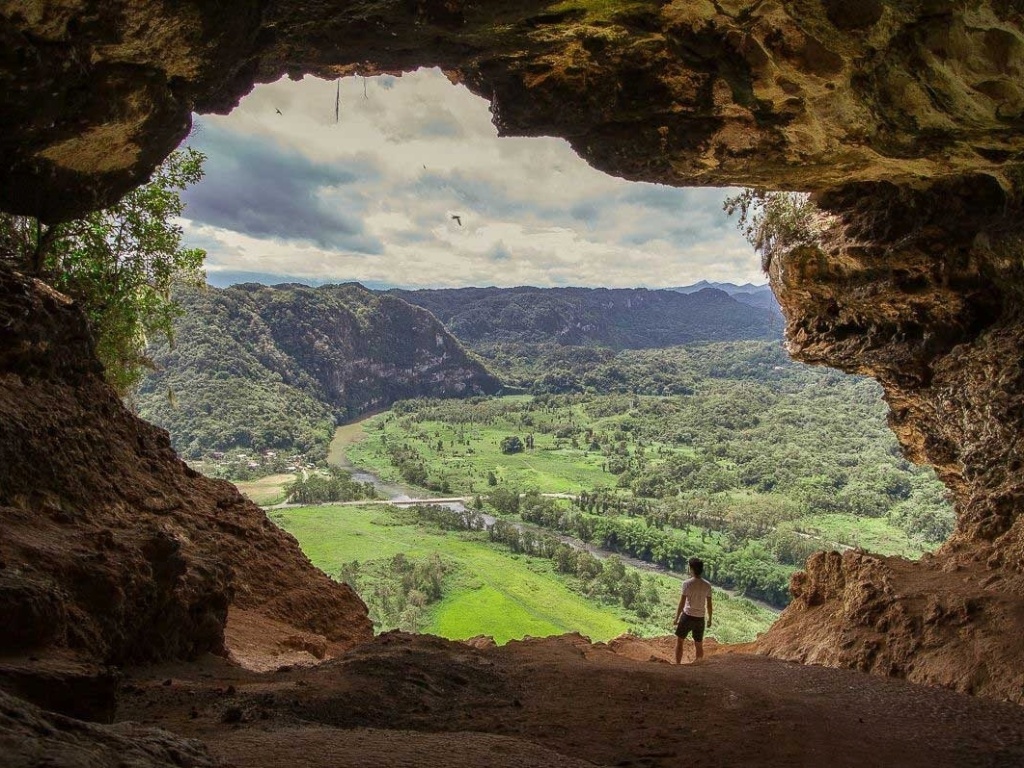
x: 371, y: 197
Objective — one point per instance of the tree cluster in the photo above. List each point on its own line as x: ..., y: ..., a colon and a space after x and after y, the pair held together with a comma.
x: 120, y: 265
x: 606, y: 579
x: 398, y: 591
x: 335, y: 485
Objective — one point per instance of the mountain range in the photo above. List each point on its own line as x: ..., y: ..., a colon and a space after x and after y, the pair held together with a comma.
x: 620, y: 318
x: 278, y: 367
x: 256, y: 366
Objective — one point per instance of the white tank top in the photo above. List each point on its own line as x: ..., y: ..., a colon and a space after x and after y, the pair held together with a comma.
x: 697, y: 592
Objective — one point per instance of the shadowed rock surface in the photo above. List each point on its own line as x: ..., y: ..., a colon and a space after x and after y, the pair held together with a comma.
x: 110, y: 546
x: 408, y: 700
x: 31, y: 737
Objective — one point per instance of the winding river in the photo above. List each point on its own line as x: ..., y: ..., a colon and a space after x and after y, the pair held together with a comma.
x: 399, y: 495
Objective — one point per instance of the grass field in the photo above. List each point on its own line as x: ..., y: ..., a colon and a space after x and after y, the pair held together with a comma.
x: 872, y: 534
x: 267, y: 490
x: 498, y: 595
x: 553, y: 466
x: 494, y: 592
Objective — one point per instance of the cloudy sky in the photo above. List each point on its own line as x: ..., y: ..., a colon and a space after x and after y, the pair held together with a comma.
x: 290, y: 194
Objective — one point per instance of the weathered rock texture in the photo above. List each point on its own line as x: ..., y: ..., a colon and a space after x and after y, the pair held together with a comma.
x: 905, y: 115
x: 922, y: 291
x: 110, y: 546
x: 423, y: 702
x: 799, y: 93
x: 30, y: 737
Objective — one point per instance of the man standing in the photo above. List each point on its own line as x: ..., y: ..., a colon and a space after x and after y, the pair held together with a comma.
x: 694, y: 604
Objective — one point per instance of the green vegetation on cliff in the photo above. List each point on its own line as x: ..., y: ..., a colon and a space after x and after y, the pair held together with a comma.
x: 257, y: 369
x: 261, y: 368
x: 120, y: 264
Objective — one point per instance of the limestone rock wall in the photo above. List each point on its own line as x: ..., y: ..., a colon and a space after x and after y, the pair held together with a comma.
x: 922, y: 291
x: 941, y: 622
x: 801, y: 93
x: 110, y: 546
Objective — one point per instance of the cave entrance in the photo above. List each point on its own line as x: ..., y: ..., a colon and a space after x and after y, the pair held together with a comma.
x: 902, y: 118
x: 690, y: 444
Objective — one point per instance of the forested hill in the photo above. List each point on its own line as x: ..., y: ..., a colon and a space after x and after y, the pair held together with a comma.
x: 627, y: 318
x: 277, y: 367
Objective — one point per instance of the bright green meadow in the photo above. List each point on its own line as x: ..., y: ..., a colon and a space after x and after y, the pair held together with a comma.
x: 489, y: 591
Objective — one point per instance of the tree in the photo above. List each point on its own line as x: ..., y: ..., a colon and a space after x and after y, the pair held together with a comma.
x: 511, y: 444
x: 504, y: 500
x: 120, y: 264
x: 773, y: 222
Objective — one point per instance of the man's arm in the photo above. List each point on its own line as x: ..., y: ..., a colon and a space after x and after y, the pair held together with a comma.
x: 679, y: 610
x: 710, y: 608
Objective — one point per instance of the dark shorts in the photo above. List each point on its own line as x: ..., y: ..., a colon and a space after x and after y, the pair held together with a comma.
x: 689, y: 624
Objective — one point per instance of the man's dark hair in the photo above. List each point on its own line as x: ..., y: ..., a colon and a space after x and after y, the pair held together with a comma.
x: 696, y: 565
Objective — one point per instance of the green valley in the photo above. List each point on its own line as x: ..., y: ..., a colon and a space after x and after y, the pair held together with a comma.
x: 484, y: 589
x: 636, y: 429
x: 761, y: 464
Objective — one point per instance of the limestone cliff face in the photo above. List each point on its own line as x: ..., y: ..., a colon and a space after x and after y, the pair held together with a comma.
x: 922, y: 291
x: 281, y: 366
x: 111, y: 548
x: 786, y: 94
x: 943, y: 622
x: 904, y: 115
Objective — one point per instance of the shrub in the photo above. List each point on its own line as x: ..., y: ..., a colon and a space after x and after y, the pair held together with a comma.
x: 512, y: 444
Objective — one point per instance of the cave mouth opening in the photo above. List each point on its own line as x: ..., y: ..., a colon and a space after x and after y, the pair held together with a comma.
x: 902, y: 117
x: 403, y: 182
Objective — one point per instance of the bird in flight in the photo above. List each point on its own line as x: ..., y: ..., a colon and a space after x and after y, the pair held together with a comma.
x: 458, y: 219
x: 278, y: 111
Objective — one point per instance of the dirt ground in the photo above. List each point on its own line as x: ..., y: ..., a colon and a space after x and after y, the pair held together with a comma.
x: 406, y: 700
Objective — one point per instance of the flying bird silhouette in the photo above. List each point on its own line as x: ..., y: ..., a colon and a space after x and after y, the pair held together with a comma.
x: 278, y: 111
x: 458, y: 219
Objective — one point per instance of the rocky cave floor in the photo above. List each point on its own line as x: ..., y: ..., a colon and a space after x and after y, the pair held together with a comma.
x: 407, y: 700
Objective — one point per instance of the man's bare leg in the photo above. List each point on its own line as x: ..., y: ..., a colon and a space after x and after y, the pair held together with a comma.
x: 699, y: 650
x: 679, y: 650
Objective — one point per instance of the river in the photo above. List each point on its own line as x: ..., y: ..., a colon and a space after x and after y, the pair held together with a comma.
x: 399, y: 494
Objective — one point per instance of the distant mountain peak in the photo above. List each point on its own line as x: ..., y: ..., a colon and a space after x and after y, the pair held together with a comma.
x: 730, y: 288
x: 616, y: 318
